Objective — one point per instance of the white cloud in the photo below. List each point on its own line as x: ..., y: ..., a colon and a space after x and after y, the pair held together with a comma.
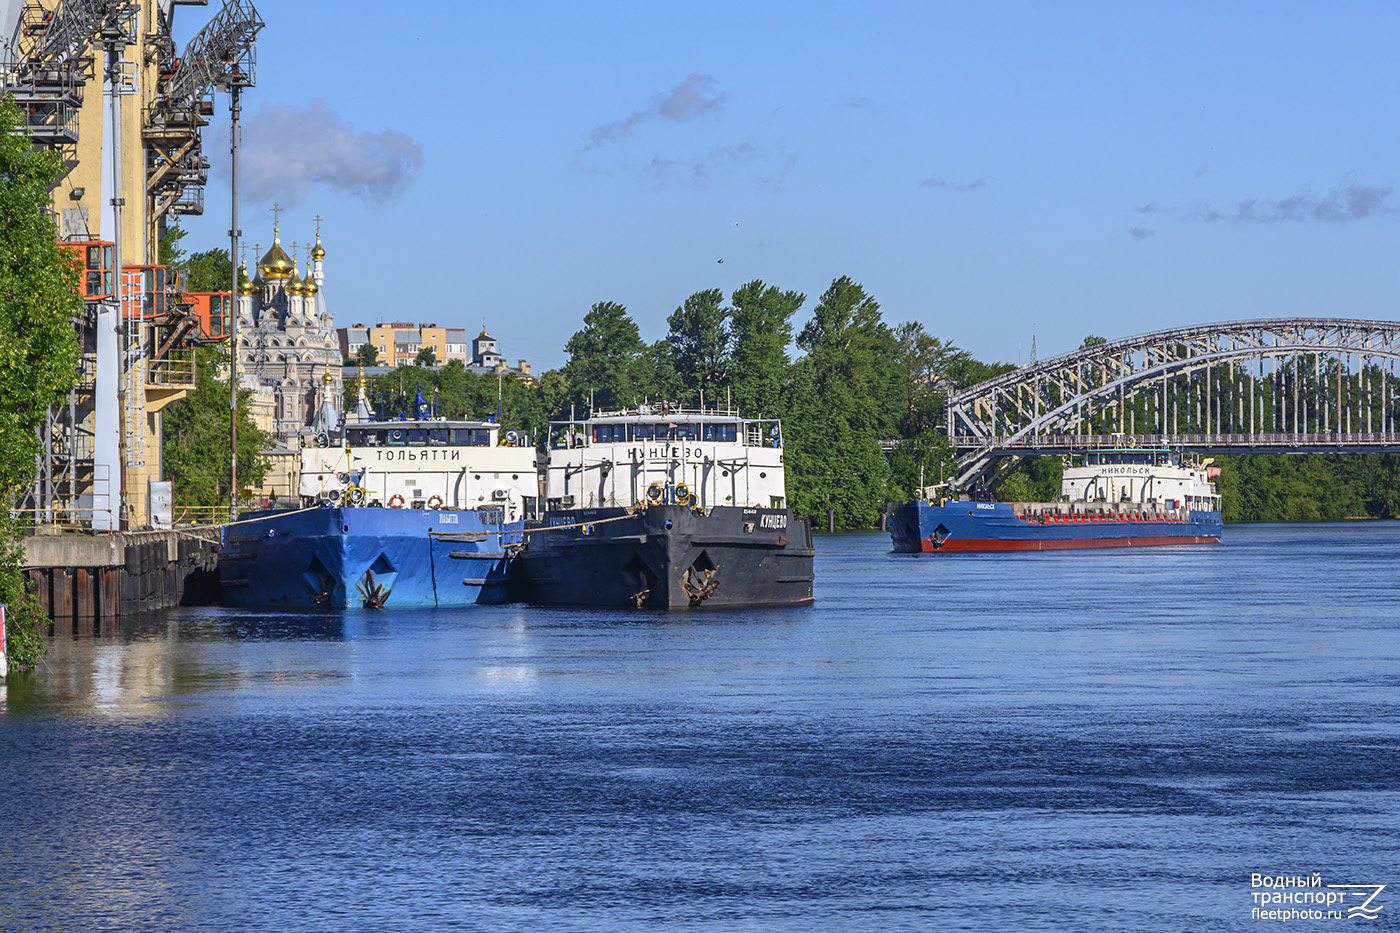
x: 287, y: 150
x: 695, y: 96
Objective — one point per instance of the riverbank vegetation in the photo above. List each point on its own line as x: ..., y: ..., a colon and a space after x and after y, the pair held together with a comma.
x: 856, y: 380
x: 38, y: 351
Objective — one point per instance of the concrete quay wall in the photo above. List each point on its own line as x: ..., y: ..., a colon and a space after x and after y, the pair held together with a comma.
x: 87, y: 584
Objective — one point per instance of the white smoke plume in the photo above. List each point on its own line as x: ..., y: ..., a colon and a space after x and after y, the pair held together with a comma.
x: 695, y: 96
x: 286, y: 150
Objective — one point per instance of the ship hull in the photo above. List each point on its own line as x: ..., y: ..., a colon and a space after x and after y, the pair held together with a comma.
x: 961, y: 527
x: 338, y: 558
x: 666, y: 557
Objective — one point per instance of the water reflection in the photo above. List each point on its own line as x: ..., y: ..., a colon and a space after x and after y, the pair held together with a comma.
x: 1141, y: 730
x: 217, y: 624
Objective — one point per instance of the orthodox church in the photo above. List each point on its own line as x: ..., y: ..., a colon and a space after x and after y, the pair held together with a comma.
x: 288, y: 350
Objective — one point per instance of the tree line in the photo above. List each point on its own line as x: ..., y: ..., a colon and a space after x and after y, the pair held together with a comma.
x: 39, y: 353
x: 856, y: 381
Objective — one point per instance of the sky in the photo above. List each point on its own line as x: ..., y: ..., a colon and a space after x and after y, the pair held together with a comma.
x: 1004, y: 173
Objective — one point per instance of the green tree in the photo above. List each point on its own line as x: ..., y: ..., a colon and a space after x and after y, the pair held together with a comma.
x: 760, y: 329
x: 38, y: 350
x: 604, y: 358
x: 196, y: 440
x: 699, y: 344
x: 926, y: 369
x: 209, y: 271
x: 367, y: 355
x: 850, y: 351
x: 555, y: 396
x: 656, y: 376
x: 1016, y: 488
x: 426, y: 358
x: 168, y: 251
x: 922, y: 461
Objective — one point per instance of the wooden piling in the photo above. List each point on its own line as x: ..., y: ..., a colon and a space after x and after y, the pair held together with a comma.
x: 62, y: 613
x: 84, y: 601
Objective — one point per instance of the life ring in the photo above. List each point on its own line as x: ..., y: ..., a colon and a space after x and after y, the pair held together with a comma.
x: 654, y: 492
x: 396, y: 501
x: 682, y: 493
x: 435, y: 502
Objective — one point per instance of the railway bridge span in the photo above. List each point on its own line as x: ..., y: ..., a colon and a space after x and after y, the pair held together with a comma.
x: 1281, y: 385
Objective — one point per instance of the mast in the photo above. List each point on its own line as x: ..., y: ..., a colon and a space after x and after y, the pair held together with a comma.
x: 235, y: 109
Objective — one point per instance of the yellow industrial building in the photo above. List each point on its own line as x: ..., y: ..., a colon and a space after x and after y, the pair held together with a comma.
x: 102, y: 82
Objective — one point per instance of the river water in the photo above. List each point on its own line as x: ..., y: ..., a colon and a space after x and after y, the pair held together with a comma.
x: 1112, y: 740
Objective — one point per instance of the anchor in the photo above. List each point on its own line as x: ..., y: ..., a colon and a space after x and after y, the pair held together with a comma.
x: 375, y: 596
x: 701, y: 589
x: 320, y: 595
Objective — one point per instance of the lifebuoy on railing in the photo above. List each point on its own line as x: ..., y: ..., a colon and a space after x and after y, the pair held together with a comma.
x: 396, y: 501
x: 435, y: 502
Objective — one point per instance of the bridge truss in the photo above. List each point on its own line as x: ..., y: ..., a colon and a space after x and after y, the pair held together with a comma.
x: 1285, y: 385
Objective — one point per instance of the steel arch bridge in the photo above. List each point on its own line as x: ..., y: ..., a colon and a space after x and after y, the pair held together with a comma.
x: 1282, y: 385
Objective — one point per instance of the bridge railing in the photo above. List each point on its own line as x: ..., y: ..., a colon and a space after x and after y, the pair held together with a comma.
x: 1299, y: 442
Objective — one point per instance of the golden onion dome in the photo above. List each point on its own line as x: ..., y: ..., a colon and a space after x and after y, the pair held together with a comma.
x: 246, y: 286
x: 308, y: 284
x: 293, y: 285
x: 276, y: 264
x: 316, y: 252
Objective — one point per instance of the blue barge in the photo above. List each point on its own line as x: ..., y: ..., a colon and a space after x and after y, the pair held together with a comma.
x: 1124, y: 497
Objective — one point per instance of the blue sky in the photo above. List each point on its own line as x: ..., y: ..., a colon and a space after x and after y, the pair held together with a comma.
x: 995, y: 171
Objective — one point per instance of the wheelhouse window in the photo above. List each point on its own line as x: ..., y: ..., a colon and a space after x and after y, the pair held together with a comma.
x: 609, y: 433
x: 469, y: 437
x: 722, y: 433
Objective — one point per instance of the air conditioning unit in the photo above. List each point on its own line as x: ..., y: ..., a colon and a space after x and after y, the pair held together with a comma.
x: 500, y: 495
